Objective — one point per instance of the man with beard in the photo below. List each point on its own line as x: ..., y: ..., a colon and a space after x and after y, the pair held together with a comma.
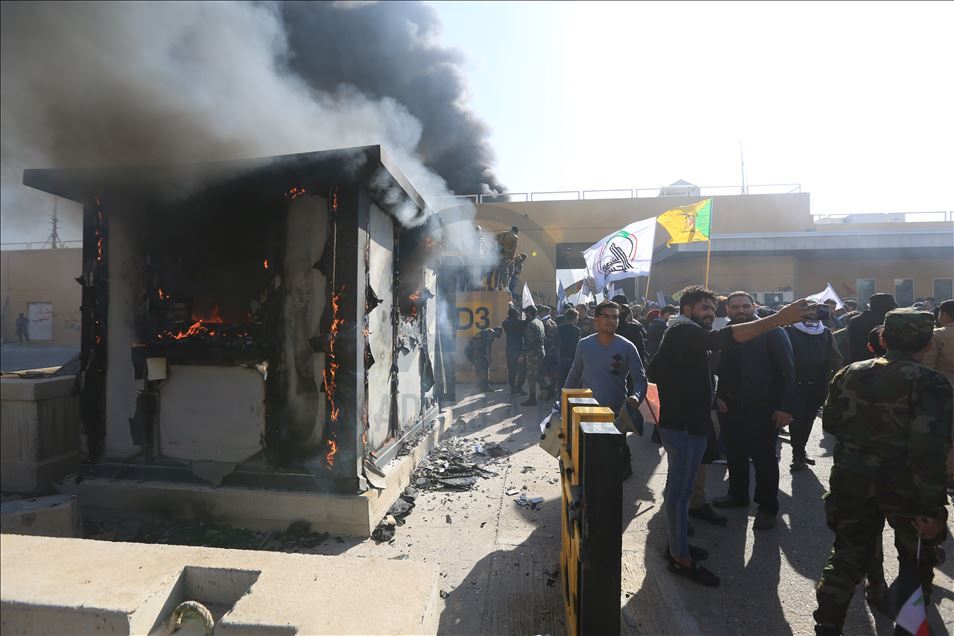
x: 756, y: 393
x: 683, y: 375
x: 861, y: 325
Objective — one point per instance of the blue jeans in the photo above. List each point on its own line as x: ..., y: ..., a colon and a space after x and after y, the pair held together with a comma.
x: 684, y: 452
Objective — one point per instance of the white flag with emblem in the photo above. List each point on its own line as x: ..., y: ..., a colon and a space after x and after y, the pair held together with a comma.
x: 527, y: 300
x: 828, y: 293
x: 626, y: 253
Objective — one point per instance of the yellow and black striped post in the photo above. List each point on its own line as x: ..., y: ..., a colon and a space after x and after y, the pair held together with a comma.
x: 592, y: 518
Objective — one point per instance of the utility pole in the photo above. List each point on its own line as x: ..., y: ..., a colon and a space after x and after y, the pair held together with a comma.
x: 54, y: 241
x: 742, y: 164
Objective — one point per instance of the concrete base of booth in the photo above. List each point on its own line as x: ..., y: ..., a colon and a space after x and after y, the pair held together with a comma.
x: 262, y: 509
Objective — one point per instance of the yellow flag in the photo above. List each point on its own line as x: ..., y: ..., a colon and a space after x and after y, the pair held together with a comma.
x: 688, y: 223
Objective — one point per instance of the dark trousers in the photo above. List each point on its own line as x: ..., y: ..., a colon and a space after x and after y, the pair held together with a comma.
x: 751, y: 434
x: 516, y: 370
x: 808, y: 399
x: 563, y: 371
x: 482, y: 371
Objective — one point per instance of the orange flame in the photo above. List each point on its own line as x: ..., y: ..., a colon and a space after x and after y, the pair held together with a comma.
x: 294, y: 193
x: 163, y: 295
x: 266, y: 263
x: 332, y: 368
x: 334, y: 201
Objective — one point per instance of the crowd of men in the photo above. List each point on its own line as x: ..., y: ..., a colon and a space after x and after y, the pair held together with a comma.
x: 731, y: 375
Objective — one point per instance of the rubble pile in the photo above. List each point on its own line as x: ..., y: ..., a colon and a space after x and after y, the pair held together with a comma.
x: 457, y: 464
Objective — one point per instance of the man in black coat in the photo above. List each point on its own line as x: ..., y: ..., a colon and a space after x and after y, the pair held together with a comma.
x: 656, y: 329
x: 861, y: 325
x: 816, y: 360
x: 756, y: 398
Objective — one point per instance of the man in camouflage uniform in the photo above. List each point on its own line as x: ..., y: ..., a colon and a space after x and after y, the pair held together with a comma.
x: 534, y: 350
x: 891, y: 418
x: 551, y: 350
x: 478, y: 352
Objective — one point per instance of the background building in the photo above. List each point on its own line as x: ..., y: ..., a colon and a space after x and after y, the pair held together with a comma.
x: 40, y: 283
x: 765, y: 243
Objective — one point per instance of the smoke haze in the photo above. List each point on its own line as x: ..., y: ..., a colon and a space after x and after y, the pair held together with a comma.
x: 96, y: 84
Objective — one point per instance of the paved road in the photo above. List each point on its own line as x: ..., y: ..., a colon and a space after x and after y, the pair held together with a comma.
x: 496, y: 557
x: 15, y: 357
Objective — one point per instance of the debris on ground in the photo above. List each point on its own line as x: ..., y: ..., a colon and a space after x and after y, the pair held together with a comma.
x: 533, y: 503
x: 395, y: 516
x: 457, y: 464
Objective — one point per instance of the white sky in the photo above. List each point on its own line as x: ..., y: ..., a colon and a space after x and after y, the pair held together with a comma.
x: 852, y: 100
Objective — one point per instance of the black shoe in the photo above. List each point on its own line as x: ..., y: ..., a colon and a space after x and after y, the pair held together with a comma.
x: 764, y: 520
x: 531, y: 402
x: 729, y: 501
x: 695, y: 573
x: 798, y: 464
x: 876, y: 593
x: 706, y: 513
x: 695, y: 553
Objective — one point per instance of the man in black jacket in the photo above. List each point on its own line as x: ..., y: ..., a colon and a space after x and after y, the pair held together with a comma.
x: 756, y: 393
x: 861, y: 325
x: 656, y: 329
x: 682, y: 374
x: 816, y: 360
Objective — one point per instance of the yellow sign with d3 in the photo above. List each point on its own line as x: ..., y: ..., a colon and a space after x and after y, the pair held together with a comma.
x: 475, y: 311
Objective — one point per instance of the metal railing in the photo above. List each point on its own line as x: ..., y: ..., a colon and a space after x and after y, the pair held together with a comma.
x: 633, y: 193
x: 39, y: 245
x: 884, y: 217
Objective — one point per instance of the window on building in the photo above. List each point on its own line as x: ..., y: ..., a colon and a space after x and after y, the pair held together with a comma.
x: 943, y: 289
x: 866, y: 288
x: 904, y: 291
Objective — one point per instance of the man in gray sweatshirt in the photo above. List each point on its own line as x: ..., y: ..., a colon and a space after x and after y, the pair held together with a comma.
x: 602, y: 363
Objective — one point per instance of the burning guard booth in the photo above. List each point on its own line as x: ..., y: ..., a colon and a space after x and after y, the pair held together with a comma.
x: 258, y: 325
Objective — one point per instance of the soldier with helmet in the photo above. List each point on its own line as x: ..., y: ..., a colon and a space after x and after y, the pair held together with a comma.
x: 891, y: 418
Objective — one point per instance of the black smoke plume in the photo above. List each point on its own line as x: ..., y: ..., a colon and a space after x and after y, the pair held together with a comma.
x: 106, y: 84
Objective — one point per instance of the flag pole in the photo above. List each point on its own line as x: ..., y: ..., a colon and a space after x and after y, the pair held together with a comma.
x: 708, y: 253
x: 709, y: 246
x: 649, y: 277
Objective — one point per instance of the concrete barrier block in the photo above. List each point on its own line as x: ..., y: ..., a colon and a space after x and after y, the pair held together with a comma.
x: 53, y: 516
x: 129, y: 588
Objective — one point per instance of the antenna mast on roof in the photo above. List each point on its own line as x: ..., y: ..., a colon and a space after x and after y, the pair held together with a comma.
x: 54, y: 241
